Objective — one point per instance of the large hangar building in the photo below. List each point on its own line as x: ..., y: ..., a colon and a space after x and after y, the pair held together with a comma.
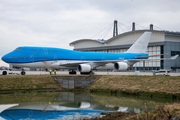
x: 162, y: 42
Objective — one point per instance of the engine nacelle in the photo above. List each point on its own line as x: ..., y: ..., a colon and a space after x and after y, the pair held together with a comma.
x: 84, y: 68
x: 121, y: 66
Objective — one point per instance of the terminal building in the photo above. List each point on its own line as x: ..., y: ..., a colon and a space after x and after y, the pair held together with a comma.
x: 165, y: 44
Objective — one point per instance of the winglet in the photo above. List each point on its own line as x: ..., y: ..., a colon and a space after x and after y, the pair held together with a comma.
x: 140, y: 46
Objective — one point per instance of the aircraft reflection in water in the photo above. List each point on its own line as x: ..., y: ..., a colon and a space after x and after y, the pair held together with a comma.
x: 64, y: 110
x: 65, y: 106
x: 50, y: 111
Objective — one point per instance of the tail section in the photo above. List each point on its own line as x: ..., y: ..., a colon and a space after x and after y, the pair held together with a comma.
x: 140, y: 46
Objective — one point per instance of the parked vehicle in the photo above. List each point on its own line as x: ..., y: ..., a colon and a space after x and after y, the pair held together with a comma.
x: 6, y: 72
x: 12, y: 72
x: 163, y: 72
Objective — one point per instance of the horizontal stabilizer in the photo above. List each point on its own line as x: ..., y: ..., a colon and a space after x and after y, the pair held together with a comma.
x: 145, y: 57
x: 174, y: 57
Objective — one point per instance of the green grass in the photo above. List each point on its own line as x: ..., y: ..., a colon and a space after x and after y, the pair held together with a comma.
x: 137, y: 84
x: 14, y: 83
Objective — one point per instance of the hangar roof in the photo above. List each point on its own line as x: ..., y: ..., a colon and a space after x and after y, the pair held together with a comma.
x: 124, y: 39
x: 92, y: 40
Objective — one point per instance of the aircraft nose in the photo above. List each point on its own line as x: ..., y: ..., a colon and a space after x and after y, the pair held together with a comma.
x: 5, y: 58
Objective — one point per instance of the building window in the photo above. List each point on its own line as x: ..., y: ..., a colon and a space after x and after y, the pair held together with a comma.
x: 173, y: 53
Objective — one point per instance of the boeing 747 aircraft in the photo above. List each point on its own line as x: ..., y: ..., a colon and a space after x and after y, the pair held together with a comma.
x: 84, y: 62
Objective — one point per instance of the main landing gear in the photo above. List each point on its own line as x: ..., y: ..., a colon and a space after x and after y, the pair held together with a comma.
x: 72, y: 72
x: 87, y: 73
x: 23, y: 72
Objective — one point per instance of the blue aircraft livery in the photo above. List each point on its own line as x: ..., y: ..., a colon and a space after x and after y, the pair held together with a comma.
x: 64, y: 110
x: 84, y: 62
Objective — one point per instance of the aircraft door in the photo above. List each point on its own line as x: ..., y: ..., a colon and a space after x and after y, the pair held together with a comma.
x: 82, y: 57
x: 103, y: 58
x: 55, y: 57
x: 31, y: 58
x: 45, y: 50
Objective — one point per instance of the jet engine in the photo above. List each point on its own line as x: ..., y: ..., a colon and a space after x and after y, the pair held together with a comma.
x: 121, y: 66
x: 84, y: 68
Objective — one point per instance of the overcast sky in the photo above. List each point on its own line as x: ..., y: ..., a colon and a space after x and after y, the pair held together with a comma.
x: 59, y: 22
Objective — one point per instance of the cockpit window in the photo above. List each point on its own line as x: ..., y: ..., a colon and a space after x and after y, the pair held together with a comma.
x: 18, y: 48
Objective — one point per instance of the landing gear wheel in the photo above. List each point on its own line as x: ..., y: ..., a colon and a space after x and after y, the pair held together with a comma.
x: 23, y: 73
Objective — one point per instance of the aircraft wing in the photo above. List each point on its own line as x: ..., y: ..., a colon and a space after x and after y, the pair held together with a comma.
x: 73, y: 63
x: 93, y: 63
